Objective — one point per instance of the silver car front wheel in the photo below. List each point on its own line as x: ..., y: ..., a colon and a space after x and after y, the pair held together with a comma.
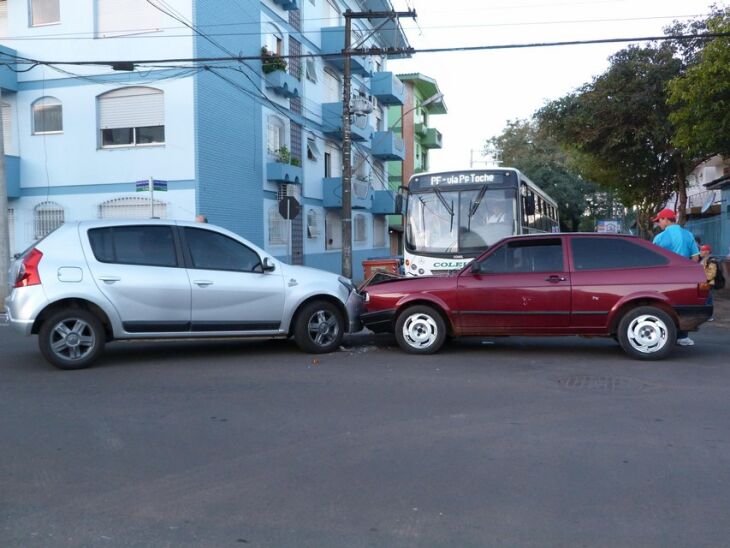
x: 319, y: 327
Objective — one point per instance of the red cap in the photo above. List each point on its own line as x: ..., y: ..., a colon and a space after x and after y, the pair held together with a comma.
x: 706, y: 247
x: 665, y: 213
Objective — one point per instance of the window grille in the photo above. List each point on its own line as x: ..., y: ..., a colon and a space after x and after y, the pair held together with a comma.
x: 47, y: 217
x: 333, y: 231
x: 47, y: 116
x: 313, y: 224
x: 360, y: 188
x: 278, y: 227
x: 132, y: 207
x: 361, y: 234
x: 295, y: 63
x: 379, y: 231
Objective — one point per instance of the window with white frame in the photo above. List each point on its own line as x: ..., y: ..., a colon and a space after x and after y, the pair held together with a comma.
x: 313, y: 152
x: 7, y: 111
x: 47, y: 217
x: 314, y: 222
x: 278, y: 227
x: 333, y: 230
x: 47, y: 116
x: 44, y: 12
x: 379, y: 230
x: 360, y: 228
x: 120, y: 17
x: 275, y: 137
x: 331, y: 86
x: 132, y: 207
x: 273, y: 39
x: 132, y: 116
x: 311, y: 70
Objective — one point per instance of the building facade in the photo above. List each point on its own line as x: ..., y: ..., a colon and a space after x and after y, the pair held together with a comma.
x: 423, y: 98
x: 231, y: 138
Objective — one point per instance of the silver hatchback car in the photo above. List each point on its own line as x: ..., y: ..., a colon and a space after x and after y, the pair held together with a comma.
x: 91, y: 282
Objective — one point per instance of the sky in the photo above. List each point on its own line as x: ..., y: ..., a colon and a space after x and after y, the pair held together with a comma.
x: 483, y: 90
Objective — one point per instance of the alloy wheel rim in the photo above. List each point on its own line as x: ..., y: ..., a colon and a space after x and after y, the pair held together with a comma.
x: 420, y: 330
x: 72, y: 339
x: 323, y: 328
x: 647, y: 334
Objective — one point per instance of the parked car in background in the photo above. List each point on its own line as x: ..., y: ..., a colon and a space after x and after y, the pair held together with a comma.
x: 550, y: 284
x: 88, y: 283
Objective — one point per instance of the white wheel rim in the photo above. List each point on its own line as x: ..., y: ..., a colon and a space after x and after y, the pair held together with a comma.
x: 647, y: 334
x: 323, y: 328
x: 420, y: 330
x: 72, y: 339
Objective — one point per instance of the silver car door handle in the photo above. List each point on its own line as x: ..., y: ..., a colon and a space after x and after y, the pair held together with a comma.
x: 202, y: 283
x: 110, y: 279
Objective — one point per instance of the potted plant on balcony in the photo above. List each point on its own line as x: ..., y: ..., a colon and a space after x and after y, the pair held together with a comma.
x: 283, y: 156
x: 271, y: 62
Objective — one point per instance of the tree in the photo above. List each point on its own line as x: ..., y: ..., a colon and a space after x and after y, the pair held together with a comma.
x: 701, y: 97
x: 617, y: 129
x: 539, y: 156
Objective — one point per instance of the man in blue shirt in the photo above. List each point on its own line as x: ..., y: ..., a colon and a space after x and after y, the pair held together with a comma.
x: 681, y: 241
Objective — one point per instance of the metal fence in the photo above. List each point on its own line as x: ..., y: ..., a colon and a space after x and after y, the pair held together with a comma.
x: 710, y: 232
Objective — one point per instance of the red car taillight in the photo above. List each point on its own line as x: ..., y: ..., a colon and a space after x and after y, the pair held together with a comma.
x: 28, y: 273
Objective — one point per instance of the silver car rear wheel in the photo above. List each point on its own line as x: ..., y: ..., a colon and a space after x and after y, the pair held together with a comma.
x: 71, y: 339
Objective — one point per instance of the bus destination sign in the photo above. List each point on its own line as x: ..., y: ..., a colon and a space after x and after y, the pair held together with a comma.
x: 477, y: 177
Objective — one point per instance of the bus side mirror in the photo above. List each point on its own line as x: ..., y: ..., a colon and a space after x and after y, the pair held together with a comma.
x: 529, y: 205
x: 399, y: 209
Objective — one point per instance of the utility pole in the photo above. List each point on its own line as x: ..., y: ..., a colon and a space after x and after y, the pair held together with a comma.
x: 4, y: 236
x: 346, y: 133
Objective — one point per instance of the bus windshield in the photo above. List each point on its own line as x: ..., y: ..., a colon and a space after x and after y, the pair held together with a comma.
x: 459, y: 221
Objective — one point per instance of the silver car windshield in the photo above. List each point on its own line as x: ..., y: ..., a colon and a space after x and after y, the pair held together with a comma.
x: 466, y: 221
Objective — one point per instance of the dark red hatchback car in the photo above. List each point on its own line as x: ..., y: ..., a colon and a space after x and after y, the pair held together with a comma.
x: 550, y: 284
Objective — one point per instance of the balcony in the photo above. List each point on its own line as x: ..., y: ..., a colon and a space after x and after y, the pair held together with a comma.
x: 288, y: 5
x: 333, y: 41
x: 387, y: 145
x: 282, y: 83
x: 280, y: 172
x: 420, y: 129
x: 8, y: 77
x: 432, y: 139
x: 332, y: 123
x: 12, y: 174
x: 387, y: 88
x: 386, y: 202
x: 332, y: 193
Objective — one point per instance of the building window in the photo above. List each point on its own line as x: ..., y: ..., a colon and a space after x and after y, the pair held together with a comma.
x: 47, y: 217
x: 44, y: 12
x: 132, y: 207
x: 3, y: 18
x: 47, y: 116
x: 133, y: 116
x: 360, y: 228
x: 275, y: 135
x: 311, y: 70
x: 278, y: 227
x: 313, y: 152
x: 120, y: 17
x: 333, y: 231
x: 313, y: 224
x: 273, y: 39
x: 378, y: 231
x: 331, y: 87
x: 7, y: 113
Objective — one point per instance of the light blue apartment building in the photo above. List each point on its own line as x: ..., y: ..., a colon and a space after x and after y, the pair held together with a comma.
x: 230, y: 138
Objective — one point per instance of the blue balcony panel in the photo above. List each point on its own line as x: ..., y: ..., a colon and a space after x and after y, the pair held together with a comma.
x: 388, y: 88
x: 385, y: 202
x: 387, y: 145
x: 332, y: 123
x: 284, y: 173
x: 333, y: 41
x: 332, y: 193
x: 288, y: 5
x: 12, y: 174
x: 8, y: 77
x: 282, y: 83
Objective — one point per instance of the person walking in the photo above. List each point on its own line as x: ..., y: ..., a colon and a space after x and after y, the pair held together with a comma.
x: 710, y: 270
x: 681, y: 241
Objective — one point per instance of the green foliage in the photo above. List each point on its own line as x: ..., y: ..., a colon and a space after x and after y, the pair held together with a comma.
x: 271, y: 62
x: 702, y: 97
x: 617, y: 128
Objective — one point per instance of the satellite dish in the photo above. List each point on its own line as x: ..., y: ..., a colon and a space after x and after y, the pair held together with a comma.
x: 708, y: 202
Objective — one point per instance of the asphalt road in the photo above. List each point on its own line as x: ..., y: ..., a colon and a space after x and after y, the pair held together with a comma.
x: 521, y: 442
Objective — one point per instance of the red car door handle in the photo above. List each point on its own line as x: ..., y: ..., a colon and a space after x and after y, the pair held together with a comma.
x: 555, y: 279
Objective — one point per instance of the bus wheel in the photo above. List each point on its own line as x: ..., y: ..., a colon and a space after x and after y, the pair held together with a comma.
x: 420, y: 330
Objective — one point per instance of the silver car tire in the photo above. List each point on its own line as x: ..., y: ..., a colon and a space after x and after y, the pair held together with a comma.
x: 420, y: 330
x: 72, y: 339
x: 647, y: 333
x: 319, y: 327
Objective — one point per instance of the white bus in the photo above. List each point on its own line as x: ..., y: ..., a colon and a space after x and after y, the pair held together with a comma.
x: 452, y: 217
